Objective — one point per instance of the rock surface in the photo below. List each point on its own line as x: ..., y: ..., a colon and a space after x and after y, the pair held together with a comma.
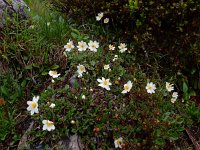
x: 10, y: 7
x: 75, y: 143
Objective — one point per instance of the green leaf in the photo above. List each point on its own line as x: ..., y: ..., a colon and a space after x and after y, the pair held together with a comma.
x: 110, y: 104
x: 160, y: 142
x: 173, y: 135
x: 185, y: 87
x: 158, y: 133
x: 54, y: 67
x: 74, y: 35
x: 36, y: 65
x: 4, y: 91
x: 192, y: 93
x: 44, y: 73
x: 75, y: 31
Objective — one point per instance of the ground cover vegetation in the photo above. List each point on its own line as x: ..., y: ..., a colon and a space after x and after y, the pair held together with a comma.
x: 120, y: 74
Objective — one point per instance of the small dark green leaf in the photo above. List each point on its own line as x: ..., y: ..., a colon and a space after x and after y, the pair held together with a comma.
x: 185, y: 87
x: 54, y: 67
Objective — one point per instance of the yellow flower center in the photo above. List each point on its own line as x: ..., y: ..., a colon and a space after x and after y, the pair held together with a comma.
x: 54, y: 72
x: 126, y: 87
x: 34, y: 104
x: 49, y: 123
x: 150, y: 88
x: 118, y: 142
x: 93, y: 46
x: 81, y: 45
x: 105, y: 82
x: 111, y: 47
x: 69, y: 45
x: 82, y: 68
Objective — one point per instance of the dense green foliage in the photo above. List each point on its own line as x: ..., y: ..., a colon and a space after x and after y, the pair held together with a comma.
x: 154, y: 27
x: 160, y: 36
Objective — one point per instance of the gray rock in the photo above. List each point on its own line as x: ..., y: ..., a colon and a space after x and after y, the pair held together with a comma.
x: 75, y: 143
x: 10, y: 7
x: 72, y: 142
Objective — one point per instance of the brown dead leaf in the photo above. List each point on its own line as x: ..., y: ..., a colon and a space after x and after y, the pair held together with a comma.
x: 2, y: 101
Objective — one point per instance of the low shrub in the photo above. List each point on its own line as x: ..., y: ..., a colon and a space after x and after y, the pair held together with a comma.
x: 76, y: 102
x: 165, y: 31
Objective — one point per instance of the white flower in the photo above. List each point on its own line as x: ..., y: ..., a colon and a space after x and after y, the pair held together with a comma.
x: 127, y: 87
x: 82, y: 46
x: 104, y: 83
x: 175, y: 95
x: 83, y: 97
x: 173, y: 100
x: 99, y: 16
x: 169, y: 87
x: 118, y: 142
x: 48, y: 125
x: 80, y: 70
x: 69, y: 46
x: 93, y: 45
x: 72, y: 122
x: 111, y: 47
x: 48, y: 23
x: 122, y: 47
x: 115, y: 57
x: 106, y: 20
x: 106, y: 67
x: 54, y: 74
x: 150, y: 87
x: 33, y: 105
x: 52, y: 105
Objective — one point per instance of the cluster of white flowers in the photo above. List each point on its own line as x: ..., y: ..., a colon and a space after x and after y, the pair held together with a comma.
x: 170, y: 88
x: 122, y: 47
x: 33, y: 108
x: 100, y: 16
x: 82, y: 46
x: 103, y: 82
x: 174, y: 97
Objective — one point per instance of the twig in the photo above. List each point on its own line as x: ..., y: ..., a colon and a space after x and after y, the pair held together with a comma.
x: 196, y: 145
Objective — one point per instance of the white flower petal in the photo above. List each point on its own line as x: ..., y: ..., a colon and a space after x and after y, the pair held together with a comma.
x: 44, y: 127
x: 44, y: 121
x: 99, y: 80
